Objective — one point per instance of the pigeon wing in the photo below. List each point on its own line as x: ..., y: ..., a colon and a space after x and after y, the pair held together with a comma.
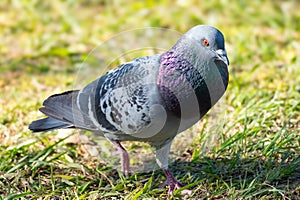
x: 120, y: 102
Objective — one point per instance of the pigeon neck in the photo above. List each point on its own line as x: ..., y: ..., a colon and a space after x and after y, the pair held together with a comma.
x: 180, y: 81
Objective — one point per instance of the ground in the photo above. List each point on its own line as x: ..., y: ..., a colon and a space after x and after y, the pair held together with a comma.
x: 247, y: 147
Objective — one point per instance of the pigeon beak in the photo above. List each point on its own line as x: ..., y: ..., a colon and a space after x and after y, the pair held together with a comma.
x: 223, y: 56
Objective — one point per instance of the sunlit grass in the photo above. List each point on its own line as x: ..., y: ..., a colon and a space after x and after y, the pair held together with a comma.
x: 248, y: 147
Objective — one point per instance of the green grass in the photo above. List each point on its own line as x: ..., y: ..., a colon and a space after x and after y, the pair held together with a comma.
x: 246, y: 148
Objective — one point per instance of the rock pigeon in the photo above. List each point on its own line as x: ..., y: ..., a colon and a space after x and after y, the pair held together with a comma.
x: 150, y: 99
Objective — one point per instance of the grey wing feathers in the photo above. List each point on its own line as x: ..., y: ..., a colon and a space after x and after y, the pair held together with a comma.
x: 127, y: 93
x: 114, y: 102
x: 89, y: 103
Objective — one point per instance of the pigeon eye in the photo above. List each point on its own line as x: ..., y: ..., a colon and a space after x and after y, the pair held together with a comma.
x: 205, y: 42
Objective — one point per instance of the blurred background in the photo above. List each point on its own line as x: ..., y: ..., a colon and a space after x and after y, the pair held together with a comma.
x: 42, y: 48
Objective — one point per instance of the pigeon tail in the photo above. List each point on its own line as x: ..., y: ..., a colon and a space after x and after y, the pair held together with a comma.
x: 48, y: 124
x: 63, y: 112
x: 62, y: 106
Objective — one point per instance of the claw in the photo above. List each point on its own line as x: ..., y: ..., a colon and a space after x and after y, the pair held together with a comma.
x: 173, y: 184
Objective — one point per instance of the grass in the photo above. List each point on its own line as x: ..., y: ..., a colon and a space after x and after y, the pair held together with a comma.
x: 246, y: 148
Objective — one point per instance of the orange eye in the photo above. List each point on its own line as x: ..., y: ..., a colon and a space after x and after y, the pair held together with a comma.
x: 205, y: 42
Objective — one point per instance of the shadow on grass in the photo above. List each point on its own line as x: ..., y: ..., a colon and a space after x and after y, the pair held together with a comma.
x: 253, y: 177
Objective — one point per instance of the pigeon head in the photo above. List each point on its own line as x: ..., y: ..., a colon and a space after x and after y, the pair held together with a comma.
x: 194, y: 71
x: 209, y: 38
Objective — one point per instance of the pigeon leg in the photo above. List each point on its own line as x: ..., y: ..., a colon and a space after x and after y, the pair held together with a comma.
x: 162, y: 160
x: 124, y: 157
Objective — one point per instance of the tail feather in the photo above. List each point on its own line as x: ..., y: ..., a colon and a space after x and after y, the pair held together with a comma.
x: 48, y: 124
x: 62, y: 112
x: 62, y: 106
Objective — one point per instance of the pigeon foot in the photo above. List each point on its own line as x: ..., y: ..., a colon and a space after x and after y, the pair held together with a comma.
x: 173, y: 184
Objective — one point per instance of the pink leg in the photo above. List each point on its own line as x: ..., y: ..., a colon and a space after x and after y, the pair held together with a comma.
x: 124, y: 157
x: 173, y: 183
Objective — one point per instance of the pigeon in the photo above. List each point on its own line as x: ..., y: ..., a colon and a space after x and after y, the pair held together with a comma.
x: 149, y: 99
